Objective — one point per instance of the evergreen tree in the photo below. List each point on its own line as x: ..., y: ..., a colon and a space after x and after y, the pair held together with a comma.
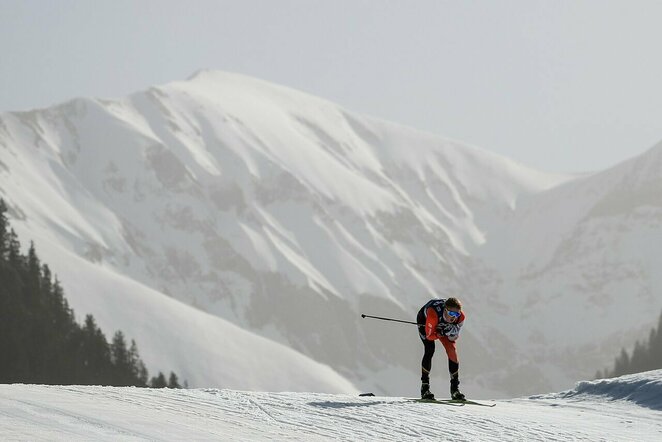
x: 137, y: 367
x: 123, y: 369
x: 13, y: 249
x: 40, y: 340
x: 645, y: 356
x: 143, y: 375
x: 656, y: 345
x: 622, y: 363
x: 649, y: 352
x: 46, y: 281
x: 158, y: 381
x: 93, y: 354
x: 173, y: 381
x: 3, y: 230
x: 13, y: 357
x: 653, y: 352
x: 638, y: 360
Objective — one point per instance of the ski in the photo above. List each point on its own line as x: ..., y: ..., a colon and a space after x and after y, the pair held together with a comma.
x: 455, y: 402
x: 451, y: 402
x: 434, y: 401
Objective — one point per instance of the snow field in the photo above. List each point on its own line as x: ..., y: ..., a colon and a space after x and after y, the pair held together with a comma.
x: 591, y: 412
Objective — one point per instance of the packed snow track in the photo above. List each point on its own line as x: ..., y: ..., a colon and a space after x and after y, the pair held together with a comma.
x: 627, y: 408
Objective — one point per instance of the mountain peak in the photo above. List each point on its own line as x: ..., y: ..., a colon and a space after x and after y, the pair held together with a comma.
x: 217, y: 75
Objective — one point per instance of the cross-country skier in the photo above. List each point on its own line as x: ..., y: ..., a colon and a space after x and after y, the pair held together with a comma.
x: 443, y: 319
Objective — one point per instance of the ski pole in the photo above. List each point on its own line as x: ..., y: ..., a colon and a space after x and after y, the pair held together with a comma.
x: 391, y: 319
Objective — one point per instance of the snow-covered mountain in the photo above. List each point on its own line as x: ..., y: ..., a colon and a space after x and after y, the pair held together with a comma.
x: 288, y: 216
x: 622, y: 409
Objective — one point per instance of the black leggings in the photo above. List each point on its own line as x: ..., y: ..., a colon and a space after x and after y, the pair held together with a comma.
x: 426, y: 363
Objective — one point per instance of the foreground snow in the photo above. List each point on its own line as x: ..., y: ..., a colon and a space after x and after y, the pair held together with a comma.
x: 626, y: 408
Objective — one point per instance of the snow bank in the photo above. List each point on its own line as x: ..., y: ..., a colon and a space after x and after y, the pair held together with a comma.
x: 644, y: 389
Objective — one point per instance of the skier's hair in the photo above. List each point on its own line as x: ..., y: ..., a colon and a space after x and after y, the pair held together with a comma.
x: 453, y: 303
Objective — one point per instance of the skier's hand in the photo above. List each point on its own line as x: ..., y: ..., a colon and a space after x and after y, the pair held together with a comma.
x: 443, y: 328
x: 452, y: 331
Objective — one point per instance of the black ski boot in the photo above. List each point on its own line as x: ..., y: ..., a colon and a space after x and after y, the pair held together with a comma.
x: 425, y: 391
x: 456, y: 395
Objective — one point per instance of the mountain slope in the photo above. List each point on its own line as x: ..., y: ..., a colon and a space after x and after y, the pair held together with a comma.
x: 288, y: 216
x: 582, y: 266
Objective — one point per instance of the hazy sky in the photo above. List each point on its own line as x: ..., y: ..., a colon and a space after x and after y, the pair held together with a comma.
x: 558, y: 85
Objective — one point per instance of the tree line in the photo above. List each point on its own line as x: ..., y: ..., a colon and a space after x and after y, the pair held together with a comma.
x: 646, y: 355
x: 40, y: 340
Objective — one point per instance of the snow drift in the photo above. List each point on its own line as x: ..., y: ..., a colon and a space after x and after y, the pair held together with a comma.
x: 644, y: 389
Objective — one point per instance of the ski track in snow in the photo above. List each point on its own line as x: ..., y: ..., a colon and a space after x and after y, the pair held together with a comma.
x: 29, y: 412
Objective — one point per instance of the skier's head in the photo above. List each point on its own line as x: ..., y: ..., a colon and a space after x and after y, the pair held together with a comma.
x: 452, y: 309
x: 453, y: 303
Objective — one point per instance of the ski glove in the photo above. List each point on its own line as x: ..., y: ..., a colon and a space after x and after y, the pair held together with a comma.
x: 443, y: 328
x: 452, y: 331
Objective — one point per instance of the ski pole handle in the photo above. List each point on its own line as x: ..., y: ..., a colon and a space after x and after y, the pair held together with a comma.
x: 391, y: 319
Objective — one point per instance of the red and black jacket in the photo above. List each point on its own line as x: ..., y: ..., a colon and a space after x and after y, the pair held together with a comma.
x: 435, y: 325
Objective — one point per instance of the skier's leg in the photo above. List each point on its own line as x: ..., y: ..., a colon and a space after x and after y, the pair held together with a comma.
x: 428, y: 346
x: 451, y: 352
x: 426, y: 366
x: 453, y: 367
x: 426, y: 363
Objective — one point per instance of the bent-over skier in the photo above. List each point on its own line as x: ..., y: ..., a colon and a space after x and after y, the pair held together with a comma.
x: 443, y: 319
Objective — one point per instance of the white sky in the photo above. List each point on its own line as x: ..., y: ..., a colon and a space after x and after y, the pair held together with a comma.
x: 563, y: 86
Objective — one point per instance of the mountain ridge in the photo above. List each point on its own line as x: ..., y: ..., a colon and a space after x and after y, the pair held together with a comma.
x: 257, y: 203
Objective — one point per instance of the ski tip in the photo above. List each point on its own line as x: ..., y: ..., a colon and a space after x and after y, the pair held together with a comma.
x: 366, y: 394
x: 482, y: 404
